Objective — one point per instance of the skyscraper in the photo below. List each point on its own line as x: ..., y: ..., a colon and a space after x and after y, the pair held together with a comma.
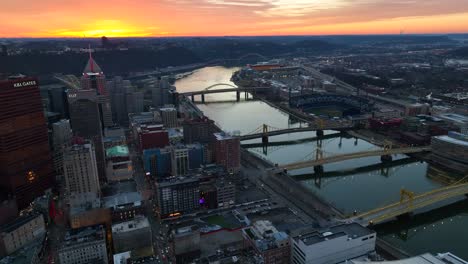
x: 26, y: 168
x: 94, y: 79
x: 80, y: 171
x: 227, y: 151
x: 86, y: 122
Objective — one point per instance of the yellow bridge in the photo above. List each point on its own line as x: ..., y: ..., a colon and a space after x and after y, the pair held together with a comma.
x: 409, y: 202
x: 324, y: 160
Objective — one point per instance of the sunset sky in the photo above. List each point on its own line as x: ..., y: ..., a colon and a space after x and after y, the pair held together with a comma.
x: 78, y: 18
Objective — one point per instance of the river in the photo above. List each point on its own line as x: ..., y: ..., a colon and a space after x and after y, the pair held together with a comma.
x: 353, y: 185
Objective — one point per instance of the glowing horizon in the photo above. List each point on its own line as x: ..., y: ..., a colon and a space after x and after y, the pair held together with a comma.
x: 161, y: 18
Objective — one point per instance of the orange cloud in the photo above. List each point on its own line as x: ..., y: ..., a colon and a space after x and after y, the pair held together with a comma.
x: 142, y: 18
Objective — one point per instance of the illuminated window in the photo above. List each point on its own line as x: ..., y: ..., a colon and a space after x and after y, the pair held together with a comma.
x: 31, y: 176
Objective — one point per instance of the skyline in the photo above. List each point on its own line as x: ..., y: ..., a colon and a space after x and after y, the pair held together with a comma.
x: 150, y: 18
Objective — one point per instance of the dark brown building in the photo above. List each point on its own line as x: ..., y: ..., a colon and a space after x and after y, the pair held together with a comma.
x: 26, y: 169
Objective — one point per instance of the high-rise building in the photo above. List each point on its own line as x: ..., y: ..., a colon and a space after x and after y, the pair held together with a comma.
x: 157, y: 162
x: 86, y: 122
x: 180, y: 161
x: 61, y: 133
x: 125, y: 99
x: 80, y: 171
x: 227, y: 151
x: 61, y: 138
x: 26, y: 168
x: 94, y: 79
x: 169, y: 116
x: 198, y: 130
x: 177, y: 196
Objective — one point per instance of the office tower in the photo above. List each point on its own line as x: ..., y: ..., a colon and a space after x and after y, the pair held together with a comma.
x: 26, y: 168
x: 161, y: 93
x: 157, y: 162
x: 80, y: 171
x: 179, y: 161
x: 169, y: 116
x: 94, y: 79
x: 227, y: 151
x: 177, y: 196
x: 86, y: 122
x: 124, y: 99
x: 61, y: 133
x: 199, y: 130
x: 61, y: 138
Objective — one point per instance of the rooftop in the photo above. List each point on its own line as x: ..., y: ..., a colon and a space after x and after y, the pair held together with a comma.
x: 79, y: 236
x: 427, y: 258
x: 353, y: 230
x: 177, y: 180
x: 18, y: 222
x: 223, y: 136
x: 135, y: 224
x: 453, y: 140
x: 122, y: 199
x: 117, y: 151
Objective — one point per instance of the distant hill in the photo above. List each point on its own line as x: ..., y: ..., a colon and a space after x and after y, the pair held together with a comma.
x: 235, y: 48
x: 112, y: 62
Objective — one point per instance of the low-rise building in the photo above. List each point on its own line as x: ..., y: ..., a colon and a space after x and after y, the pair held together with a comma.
x: 334, y: 245
x: 132, y: 235
x: 84, y: 246
x: 21, y: 231
x: 186, y: 243
x: 269, y: 243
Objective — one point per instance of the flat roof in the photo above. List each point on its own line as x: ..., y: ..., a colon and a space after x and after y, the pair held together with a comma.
x: 117, y: 151
x: 19, y: 221
x: 122, y: 199
x: 452, y: 140
x: 137, y: 223
x: 352, y: 230
x: 421, y: 259
x: 223, y: 136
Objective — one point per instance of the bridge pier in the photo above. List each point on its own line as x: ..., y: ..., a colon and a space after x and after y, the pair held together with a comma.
x: 265, y: 139
x: 318, y: 169
x: 203, y: 98
x: 386, y: 158
x: 193, y: 98
x: 320, y: 133
x: 238, y: 96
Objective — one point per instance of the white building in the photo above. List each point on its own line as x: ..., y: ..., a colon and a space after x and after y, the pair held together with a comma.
x: 335, y: 245
x: 84, y: 246
x: 81, y: 174
x: 421, y: 259
x: 180, y: 161
x: 21, y: 232
x: 169, y: 116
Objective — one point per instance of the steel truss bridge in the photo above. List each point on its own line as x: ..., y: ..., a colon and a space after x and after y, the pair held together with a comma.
x: 265, y: 131
x: 409, y: 202
x: 320, y: 160
x: 231, y: 88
